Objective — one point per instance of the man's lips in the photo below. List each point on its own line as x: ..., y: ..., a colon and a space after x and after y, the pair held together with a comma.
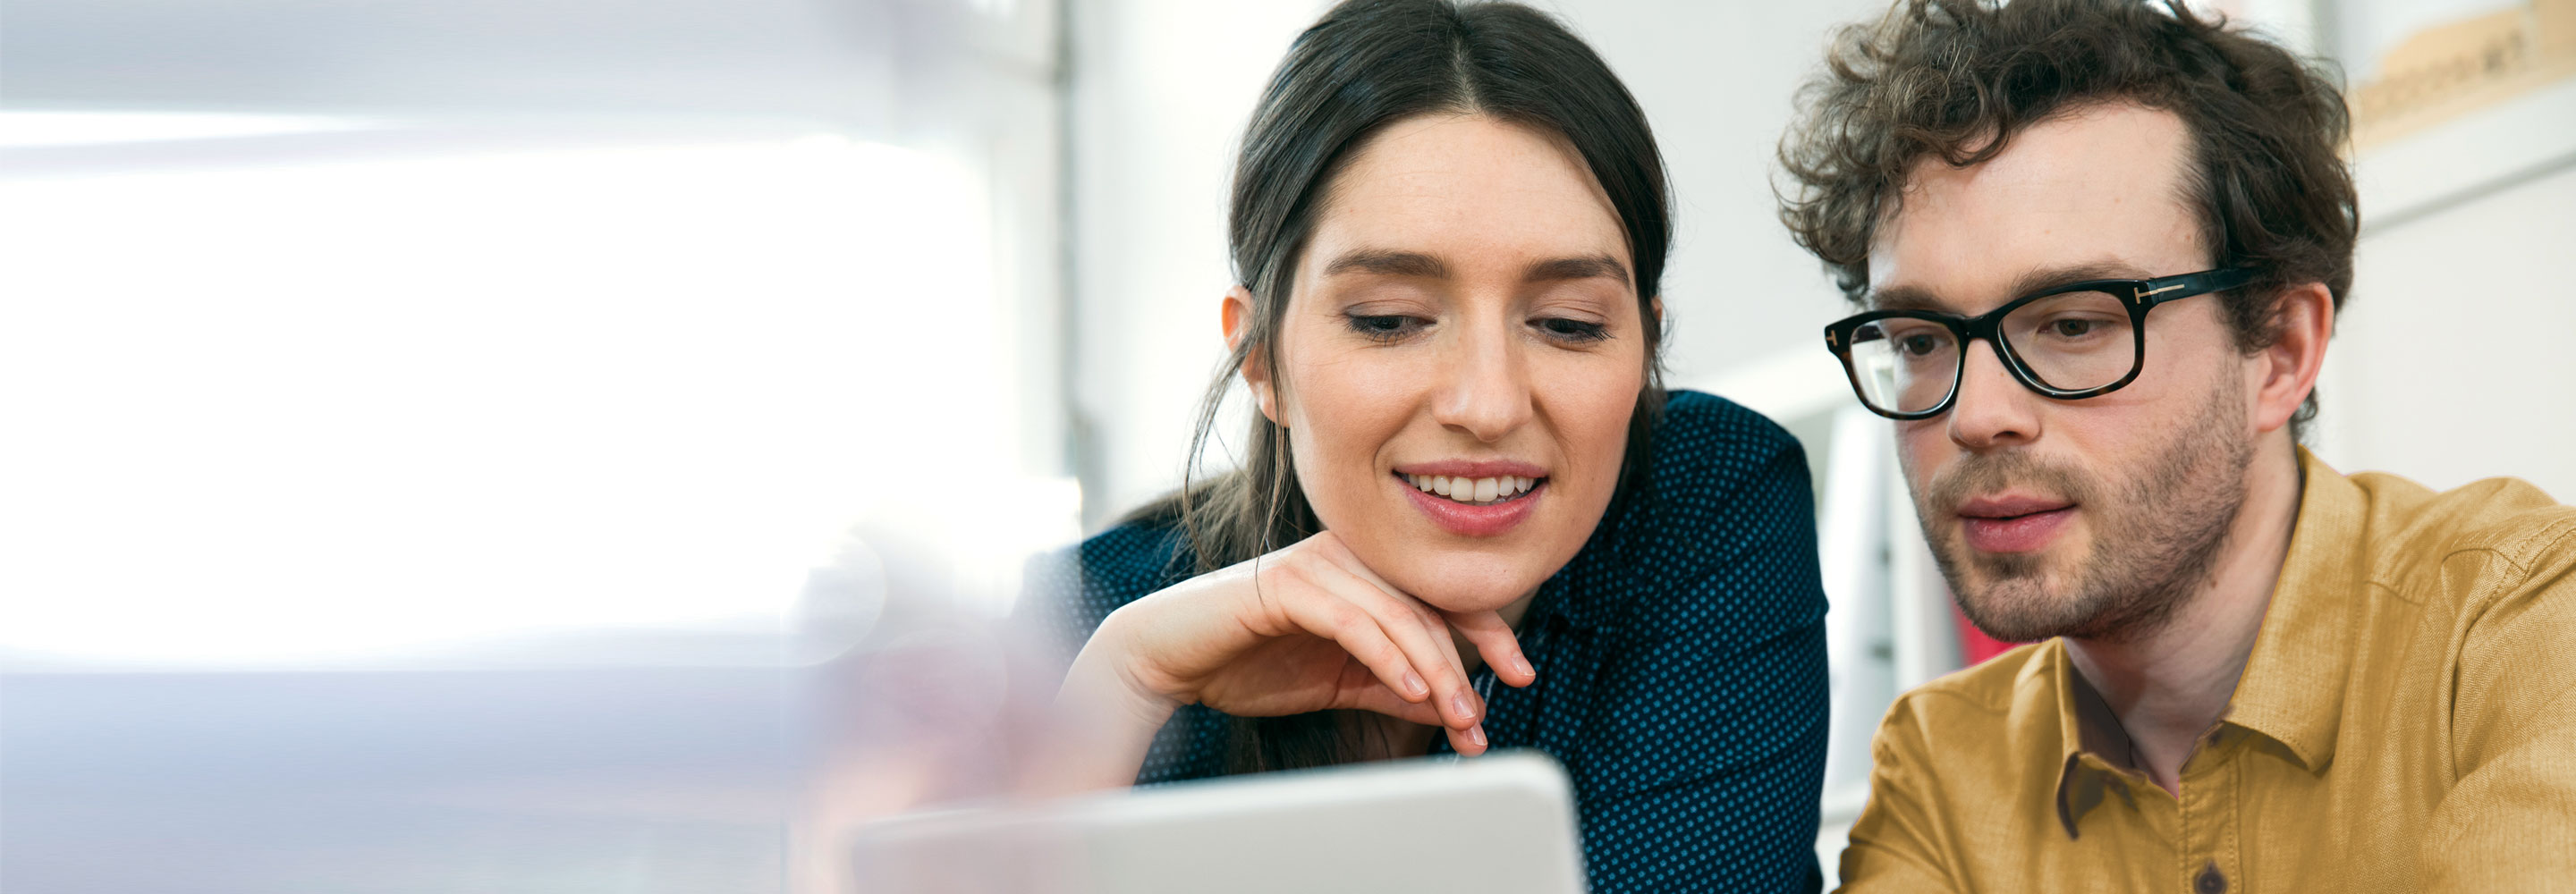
x: 2013, y: 524
x: 2009, y: 506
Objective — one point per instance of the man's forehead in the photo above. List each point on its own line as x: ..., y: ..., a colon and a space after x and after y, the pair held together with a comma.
x: 2101, y: 186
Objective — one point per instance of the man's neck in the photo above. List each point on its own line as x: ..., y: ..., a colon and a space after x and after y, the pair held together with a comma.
x: 2169, y: 687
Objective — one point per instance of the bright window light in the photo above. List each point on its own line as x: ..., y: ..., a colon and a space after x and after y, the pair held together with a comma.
x: 32, y: 129
x: 347, y: 412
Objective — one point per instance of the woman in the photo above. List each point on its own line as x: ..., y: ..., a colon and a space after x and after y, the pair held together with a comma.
x: 1448, y: 225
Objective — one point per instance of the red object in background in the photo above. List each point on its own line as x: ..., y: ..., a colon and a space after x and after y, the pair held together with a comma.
x: 1974, y: 645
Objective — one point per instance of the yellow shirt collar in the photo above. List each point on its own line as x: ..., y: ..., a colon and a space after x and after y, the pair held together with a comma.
x: 2293, y: 686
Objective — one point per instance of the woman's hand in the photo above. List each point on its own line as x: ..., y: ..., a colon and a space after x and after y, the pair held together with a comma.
x: 1306, y: 628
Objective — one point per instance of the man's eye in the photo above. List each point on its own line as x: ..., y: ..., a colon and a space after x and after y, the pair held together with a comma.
x: 1919, y: 345
x: 2070, y: 328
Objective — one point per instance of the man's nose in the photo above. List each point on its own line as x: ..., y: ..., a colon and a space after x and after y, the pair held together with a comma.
x: 1992, y: 409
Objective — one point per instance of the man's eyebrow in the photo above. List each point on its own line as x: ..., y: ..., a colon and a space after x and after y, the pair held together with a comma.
x: 2051, y: 277
x: 1387, y: 263
x: 1585, y: 267
x: 1904, y: 298
x: 1909, y: 297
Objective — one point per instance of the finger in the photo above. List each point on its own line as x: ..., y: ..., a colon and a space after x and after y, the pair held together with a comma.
x: 1437, y: 627
x: 1378, y: 698
x: 1423, y: 637
x: 1466, y: 705
x: 1458, y: 698
x: 1327, y: 615
x: 1495, y: 641
x: 1470, y: 741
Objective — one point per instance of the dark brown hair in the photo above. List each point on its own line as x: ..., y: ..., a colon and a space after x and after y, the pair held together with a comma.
x: 1367, y: 64
x: 1958, y: 79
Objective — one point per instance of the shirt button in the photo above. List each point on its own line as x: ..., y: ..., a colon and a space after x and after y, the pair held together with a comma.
x: 2209, y: 882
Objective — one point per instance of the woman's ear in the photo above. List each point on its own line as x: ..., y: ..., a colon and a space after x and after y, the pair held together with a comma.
x: 1237, y: 318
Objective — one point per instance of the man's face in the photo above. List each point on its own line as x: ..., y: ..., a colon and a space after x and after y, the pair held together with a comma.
x: 2089, y: 518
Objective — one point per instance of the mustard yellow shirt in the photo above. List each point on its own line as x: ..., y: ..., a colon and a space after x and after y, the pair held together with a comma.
x: 2406, y: 722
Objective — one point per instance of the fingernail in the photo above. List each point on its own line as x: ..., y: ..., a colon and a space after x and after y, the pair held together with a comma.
x: 1413, y: 684
x: 1521, y: 663
x: 1459, y: 702
x: 1477, y: 734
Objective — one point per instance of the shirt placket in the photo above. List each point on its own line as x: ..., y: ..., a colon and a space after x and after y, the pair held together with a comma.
x: 2207, y: 828
x: 2133, y: 827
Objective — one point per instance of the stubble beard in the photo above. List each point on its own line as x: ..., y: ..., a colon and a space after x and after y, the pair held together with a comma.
x: 2157, y: 535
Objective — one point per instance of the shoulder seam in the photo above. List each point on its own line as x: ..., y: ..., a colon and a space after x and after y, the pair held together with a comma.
x: 2517, y: 559
x: 1952, y: 692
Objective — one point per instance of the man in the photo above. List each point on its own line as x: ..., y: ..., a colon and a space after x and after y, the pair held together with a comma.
x: 2101, y: 245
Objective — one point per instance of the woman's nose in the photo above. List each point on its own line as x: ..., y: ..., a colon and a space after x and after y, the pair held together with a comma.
x: 1483, y: 385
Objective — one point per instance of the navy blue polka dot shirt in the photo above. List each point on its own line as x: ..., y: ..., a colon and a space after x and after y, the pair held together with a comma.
x: 1680, y: 657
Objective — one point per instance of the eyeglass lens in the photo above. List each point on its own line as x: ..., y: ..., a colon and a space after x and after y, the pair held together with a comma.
x: 2073, y: 341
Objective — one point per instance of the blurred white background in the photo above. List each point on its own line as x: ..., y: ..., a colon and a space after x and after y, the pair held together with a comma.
x: 456, y: 445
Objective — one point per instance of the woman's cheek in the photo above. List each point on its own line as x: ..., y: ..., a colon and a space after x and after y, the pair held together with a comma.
x: 1350, y: 408
x: 1594, y: 405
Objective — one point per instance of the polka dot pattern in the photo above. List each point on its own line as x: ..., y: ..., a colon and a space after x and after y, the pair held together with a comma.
x: 1681, y: 660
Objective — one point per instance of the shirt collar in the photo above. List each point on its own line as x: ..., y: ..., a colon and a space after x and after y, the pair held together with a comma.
x: 1630, y: 519
x: 1557, y: 599
x: 2085, y: 724
x: 2293, y: 686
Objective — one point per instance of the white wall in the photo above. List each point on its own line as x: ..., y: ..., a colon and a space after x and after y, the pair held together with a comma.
x: 2447, y: 365
x: 1160, y: 90
x: 2451, y: 362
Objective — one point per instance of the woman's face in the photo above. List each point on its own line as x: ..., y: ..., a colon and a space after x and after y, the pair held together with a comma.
x: 1460, y: 355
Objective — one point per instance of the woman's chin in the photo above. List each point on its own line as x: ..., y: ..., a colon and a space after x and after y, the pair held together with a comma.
x: 1470, y: 583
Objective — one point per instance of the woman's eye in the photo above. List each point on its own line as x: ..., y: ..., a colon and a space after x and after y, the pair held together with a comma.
x: 1573, y: 330
x: 1919, y: 345
x: 1384, y: 327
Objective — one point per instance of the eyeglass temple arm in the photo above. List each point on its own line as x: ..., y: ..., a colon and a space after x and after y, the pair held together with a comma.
x: 2158, y: 291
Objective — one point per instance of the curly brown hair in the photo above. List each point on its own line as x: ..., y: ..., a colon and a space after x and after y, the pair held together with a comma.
x: 1960, y: 78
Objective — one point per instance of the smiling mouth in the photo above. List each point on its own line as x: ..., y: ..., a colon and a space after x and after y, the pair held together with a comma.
x: 1491, y: 491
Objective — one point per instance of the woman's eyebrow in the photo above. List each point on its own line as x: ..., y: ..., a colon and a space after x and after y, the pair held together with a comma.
x: 1385, y: 262
x: 1585, y: 267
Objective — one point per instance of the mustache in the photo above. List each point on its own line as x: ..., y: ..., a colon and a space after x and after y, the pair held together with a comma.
x: 1986, y: 473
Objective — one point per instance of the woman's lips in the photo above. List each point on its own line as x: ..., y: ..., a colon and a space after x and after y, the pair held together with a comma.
x: 1470, y: 520
x: 2029, y: 532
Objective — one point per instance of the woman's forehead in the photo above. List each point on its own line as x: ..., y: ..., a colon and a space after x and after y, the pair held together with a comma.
x: 1470, y: 190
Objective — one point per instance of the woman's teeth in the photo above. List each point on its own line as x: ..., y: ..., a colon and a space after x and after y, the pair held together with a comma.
x: 1473, y: 490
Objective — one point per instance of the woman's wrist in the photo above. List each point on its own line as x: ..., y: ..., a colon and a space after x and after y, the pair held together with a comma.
x: 1106, y: 719
x: 1103, y: 678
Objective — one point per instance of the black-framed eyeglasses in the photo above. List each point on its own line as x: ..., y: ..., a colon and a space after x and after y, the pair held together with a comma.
x: 2078, y: 340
